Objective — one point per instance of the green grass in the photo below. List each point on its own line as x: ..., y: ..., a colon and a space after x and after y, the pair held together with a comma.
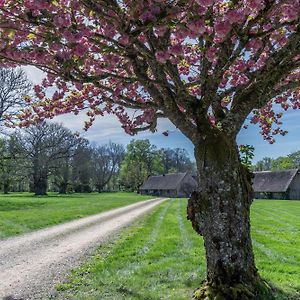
x: 160, y: 257
x: 21, y: 213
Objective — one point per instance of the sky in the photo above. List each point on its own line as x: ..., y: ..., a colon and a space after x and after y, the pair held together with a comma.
x: 108, y: 128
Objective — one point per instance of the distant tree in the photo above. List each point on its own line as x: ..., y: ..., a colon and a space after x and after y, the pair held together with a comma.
x: 11, y: 163
x: 263, y: 165
x: 295, y: 159
x: 82, y: 169
x: 106, y: 161
x: 141, y: 160
x: 14, y: 86
x: 44, y: 145
x: 282, y: 163
x: 176, y: 160
x: 291, y: 161
x: 62, y: 174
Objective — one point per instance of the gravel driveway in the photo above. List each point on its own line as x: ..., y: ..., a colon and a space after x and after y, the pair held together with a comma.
x: 31, y: 265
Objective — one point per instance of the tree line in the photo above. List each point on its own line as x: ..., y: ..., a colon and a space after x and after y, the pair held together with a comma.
x: 291, y: 161
x: 49, y: 157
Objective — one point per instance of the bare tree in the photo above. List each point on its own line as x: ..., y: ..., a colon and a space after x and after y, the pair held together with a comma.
x: 106, y: 162
x: 14, y: 85
x: 44, y: 145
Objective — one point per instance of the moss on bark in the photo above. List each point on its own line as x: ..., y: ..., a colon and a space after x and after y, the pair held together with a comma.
x: 215, y: 290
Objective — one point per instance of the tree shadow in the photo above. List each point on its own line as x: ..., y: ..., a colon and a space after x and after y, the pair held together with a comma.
x: 12, y: 298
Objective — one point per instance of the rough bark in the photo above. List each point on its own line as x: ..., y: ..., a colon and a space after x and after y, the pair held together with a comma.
x: 220, y: 212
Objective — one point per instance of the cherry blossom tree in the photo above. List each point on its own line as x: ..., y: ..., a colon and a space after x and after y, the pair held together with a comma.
x: 206, y: 65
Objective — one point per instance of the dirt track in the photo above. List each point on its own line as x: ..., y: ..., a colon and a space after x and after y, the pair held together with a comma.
x: 31, y: 265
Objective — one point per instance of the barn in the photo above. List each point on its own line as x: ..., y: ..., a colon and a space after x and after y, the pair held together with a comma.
x: 170, y: 185
x: 277, y: 184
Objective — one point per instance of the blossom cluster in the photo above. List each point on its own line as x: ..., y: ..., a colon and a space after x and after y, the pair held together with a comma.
x: 106, y: 56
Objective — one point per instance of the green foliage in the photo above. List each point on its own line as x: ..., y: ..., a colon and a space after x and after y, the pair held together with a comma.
x: 247, y: 154
x: 12, y: 164
x: 263, y: 165
x: 291, y: 161
x: 161, y: 257
x: 20, y: 213
x: 282, y: 163
x: 141, y: 160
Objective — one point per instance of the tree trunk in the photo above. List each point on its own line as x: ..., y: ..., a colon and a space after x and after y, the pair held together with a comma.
x: 5, y: 187
x: 99, y: 188
x: 220, y: 212
x: 62, y: 189
x: 40, y: 186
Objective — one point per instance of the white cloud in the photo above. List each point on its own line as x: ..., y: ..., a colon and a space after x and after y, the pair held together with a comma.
x: 34, y: 74
x: 107, y: 128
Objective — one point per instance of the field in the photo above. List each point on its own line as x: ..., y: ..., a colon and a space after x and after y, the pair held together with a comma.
x: 161, y: 257
x: 21, y: 213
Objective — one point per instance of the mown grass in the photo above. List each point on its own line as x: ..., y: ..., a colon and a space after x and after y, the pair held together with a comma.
x: 160, y: 257
x: 21, y: 213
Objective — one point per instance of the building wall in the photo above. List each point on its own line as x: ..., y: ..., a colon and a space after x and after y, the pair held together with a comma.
x: 258, y: 195
x: 294, y: 189
x: 160, y: 193
x: 270, y: 196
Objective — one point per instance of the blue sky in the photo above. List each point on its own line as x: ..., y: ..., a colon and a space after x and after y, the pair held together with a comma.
x: 108, y: 128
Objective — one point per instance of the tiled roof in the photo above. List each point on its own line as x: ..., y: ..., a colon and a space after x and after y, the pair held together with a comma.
x: 273, y: 181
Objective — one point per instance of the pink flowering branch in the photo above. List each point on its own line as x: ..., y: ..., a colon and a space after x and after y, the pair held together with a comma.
x: 210, y: 58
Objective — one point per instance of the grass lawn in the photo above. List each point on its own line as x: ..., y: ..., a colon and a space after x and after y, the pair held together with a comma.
x: 160, y: 257
x: 20, y: 213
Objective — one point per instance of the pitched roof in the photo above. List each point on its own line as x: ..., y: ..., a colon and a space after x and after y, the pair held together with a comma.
x: 274, y: 182
x: 163, y: 182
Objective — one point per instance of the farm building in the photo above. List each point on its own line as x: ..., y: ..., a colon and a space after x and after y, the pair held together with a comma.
x: 277, y: 185
x: 170, y: 185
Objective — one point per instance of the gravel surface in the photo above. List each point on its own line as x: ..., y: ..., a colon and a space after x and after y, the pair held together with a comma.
x: 31, y: 265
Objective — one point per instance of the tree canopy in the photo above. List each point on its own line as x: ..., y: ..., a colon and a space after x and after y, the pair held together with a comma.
x: 202, y: 64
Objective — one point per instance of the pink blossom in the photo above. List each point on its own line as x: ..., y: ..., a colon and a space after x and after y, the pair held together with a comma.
x: 160, y: 30
x: 62, y: 20
x: 222, y: 28
x: 176, y: 49
x: 235, y: 16
x: 162, y: 56
x: 197, y: 26
x: 205, y: 3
